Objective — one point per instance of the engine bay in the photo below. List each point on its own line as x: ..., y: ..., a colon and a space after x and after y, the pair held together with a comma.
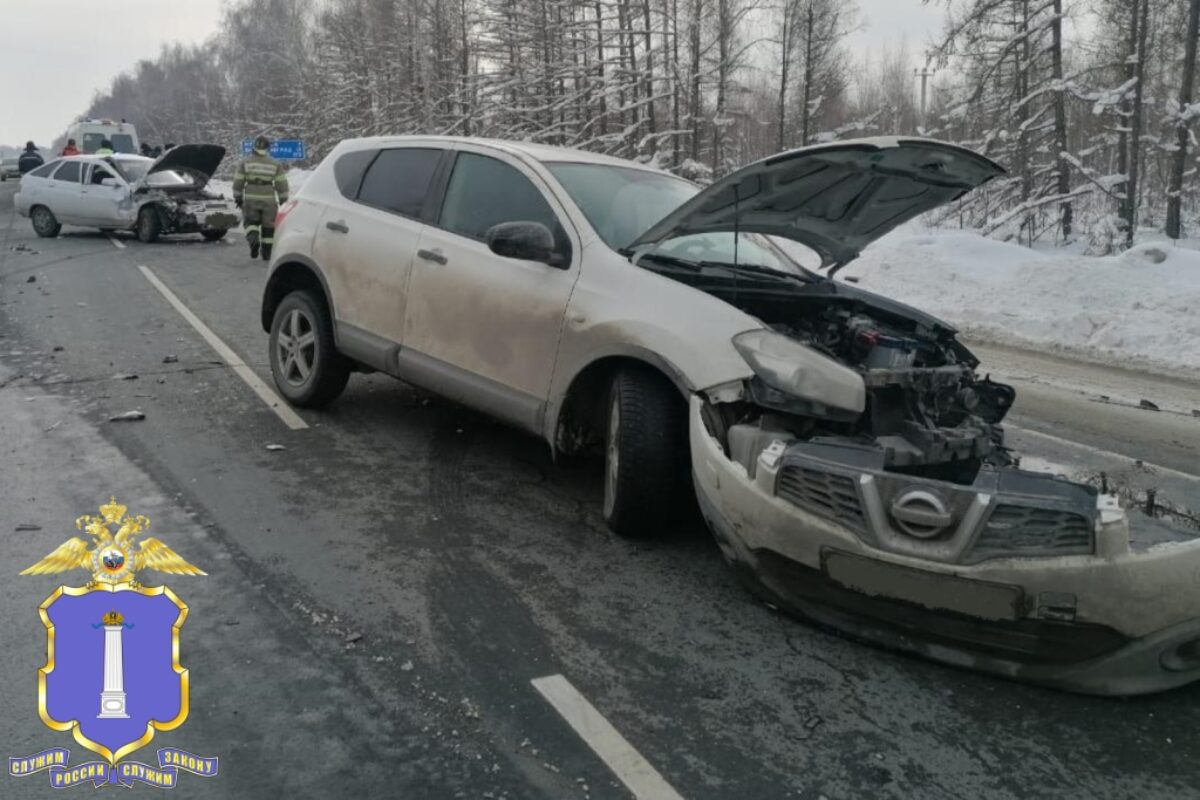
x: 927, y: 411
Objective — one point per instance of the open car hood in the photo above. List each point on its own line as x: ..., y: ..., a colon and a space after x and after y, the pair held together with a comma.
x: 199, y: 161
x: 835, y: 198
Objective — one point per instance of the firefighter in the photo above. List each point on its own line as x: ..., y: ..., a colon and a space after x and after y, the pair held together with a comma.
x: 259, y: 187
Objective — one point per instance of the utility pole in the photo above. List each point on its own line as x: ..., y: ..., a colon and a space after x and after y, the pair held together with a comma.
x: 924, y: 73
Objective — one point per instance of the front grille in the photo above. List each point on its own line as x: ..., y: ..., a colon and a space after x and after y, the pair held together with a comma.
x: 822, y: 493
x: 1026, y: 531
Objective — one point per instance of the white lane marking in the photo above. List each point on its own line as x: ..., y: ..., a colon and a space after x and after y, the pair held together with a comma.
x: 273, y: 401
x: 116, y: 244
x: 1087, y: 448
x: 634, y: 771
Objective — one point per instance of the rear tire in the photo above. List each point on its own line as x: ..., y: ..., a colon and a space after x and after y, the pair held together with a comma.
x: 149, y: 226
x: 646, y: 457
x: 45, y: 224
x: 213, y: 236
x: 308, y: 370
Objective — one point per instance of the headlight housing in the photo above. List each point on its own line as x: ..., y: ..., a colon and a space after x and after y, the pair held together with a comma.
x: 788, y: 366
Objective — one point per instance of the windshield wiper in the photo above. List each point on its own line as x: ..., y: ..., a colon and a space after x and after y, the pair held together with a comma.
x: 756, y: 270
x: 661, y: 258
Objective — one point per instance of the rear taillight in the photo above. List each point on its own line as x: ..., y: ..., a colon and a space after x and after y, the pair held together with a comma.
x: 282, y: 213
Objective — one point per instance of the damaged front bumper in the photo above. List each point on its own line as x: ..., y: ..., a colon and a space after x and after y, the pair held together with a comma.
x: 1020, y: 574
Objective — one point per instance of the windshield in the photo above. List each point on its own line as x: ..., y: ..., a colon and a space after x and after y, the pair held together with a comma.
x: 134, y: 171
x: 621, y: 203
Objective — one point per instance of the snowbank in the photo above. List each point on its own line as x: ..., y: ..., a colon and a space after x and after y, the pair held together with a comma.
x: 1141, y: 308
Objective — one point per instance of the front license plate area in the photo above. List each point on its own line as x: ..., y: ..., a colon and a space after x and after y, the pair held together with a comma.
x: 992, y: 601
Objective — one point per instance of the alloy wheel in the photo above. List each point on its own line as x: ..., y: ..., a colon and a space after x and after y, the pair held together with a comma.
x: 296, y: 347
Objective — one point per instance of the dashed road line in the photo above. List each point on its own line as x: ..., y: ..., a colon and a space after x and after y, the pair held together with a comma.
x: 642, y: 779
x: 273, y: 401
x: 117, y: 244
x: 1087, y: 448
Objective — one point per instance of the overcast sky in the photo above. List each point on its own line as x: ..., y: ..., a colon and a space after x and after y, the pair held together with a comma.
x: 57, y: 53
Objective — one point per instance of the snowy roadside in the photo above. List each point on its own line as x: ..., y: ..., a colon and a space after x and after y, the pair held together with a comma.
x: 1140, y: 308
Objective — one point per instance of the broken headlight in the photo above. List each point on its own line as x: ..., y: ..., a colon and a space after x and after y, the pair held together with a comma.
x: 788, y: 366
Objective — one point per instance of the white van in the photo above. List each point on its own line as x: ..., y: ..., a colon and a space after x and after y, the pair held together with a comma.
x: 89, y: 133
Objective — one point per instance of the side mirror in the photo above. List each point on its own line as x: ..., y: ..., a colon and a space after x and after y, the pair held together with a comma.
x: 109, y: 182
x: 528, y: 241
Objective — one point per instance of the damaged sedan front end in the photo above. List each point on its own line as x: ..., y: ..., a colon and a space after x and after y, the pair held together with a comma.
x: 860, y: 477
x: 170, y: 195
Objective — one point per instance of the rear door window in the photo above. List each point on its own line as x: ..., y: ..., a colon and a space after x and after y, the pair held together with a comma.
x: 348, y: 171
x: 68, y: 172
x: 44, y: 171
x: 484, y: 192
x: 398, y: 180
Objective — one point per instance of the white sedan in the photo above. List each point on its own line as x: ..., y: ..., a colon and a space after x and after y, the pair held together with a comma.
x: 151, y: 197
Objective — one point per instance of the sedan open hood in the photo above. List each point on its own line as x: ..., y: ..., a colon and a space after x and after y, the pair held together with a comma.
x: 835, y: 198
x: 197, y: 160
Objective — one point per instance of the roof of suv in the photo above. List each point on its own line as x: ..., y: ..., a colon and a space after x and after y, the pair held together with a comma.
x: 536, y: 152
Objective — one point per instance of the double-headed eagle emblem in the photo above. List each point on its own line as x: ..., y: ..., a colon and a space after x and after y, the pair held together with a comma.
x: 114, y: 559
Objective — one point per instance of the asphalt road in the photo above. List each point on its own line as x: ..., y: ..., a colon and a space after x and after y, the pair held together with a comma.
x: 382, y: 592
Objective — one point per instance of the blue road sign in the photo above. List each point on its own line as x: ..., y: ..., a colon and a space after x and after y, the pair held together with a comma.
x: 282, y: 149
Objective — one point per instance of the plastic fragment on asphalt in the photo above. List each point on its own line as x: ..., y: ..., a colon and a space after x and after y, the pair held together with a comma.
x: 31, y: 279
x: 1147, y: 405
x: 124, y: 376
x: 276, y: 447
x: 171, y: 359
x: 128, y: 416
x: 27, y: 526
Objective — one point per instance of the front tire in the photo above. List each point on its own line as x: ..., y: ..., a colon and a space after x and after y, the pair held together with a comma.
x: 45, y: 224
x: 213, y: 236
x: 645, y: 454
x: 149, y: 226
x: 308, y: 370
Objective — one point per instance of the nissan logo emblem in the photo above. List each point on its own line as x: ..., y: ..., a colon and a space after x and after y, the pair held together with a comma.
x: 921, y: 513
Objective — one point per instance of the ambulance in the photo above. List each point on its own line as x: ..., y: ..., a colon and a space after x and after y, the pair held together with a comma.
x: 89, y: 133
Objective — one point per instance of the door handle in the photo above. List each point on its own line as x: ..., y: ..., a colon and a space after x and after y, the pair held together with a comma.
x: 340, y: 227
x: 431, y: 255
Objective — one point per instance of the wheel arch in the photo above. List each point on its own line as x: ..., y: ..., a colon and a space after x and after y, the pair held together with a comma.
x: 576, y: 421
x: 292, y: 273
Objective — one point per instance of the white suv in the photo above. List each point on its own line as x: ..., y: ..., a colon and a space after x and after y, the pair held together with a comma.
x: 840, y: 444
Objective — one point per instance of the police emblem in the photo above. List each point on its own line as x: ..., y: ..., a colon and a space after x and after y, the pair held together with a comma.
x: 112, y: 675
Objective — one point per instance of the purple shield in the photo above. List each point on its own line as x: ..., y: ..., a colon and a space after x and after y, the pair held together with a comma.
x: 112, y: 674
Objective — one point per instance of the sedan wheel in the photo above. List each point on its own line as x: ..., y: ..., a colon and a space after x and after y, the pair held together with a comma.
x: 307, y: 368
x: 45, y: 224
x: 148, y: 225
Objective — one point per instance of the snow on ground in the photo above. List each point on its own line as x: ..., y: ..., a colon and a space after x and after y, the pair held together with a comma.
x: 1140, y: 308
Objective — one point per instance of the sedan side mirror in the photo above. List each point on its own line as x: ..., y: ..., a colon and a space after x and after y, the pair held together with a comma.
x: 109, y: 182
x: 528, y: 241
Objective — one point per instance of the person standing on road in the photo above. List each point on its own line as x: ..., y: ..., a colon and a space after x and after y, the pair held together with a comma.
x: 259, y: 187
x: 106, y: 148
x: 71, y: 149
x: 30, y: 159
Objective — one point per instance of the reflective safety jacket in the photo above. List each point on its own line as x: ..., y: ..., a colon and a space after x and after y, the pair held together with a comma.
x: 259, y: 180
